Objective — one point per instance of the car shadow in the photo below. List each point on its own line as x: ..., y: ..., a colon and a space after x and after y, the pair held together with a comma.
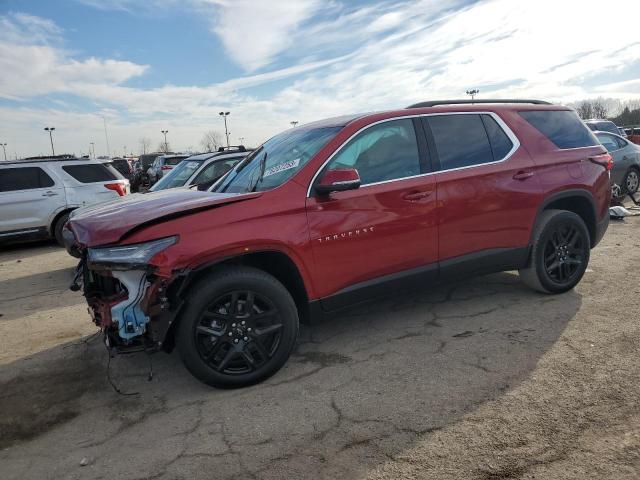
x: 359, y: 389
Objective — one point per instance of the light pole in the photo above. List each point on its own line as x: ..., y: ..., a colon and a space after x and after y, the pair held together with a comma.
x: 226, y: 132
x: 241, y: 140
x: 50, y: 130
x: 4, y: 147
x: 294, y: 123
x: 92, y: 146
x: 473, y: 93
x: 166, y: 146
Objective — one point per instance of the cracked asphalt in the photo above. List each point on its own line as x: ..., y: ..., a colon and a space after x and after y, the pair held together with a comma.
x: 480, y: 379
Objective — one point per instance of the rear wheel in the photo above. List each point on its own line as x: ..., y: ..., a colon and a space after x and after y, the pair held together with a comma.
x: 631, y: 181
x: 239, y: 328
x: 58, y: 226
x: 560, y: 253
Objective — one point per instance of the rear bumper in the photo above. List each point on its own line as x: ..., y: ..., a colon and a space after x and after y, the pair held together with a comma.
x: 601, y: 228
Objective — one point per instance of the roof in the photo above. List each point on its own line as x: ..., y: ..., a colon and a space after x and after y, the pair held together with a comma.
x: 59, y: 158
x: 334, y: 121
x: 433, y: 103
x: 226, y: 153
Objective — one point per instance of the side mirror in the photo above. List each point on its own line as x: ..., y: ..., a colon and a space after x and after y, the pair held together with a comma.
x: 338, y: 180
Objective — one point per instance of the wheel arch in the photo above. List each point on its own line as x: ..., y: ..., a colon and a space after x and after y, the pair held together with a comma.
x: 578, y: 201
x: 56, y: 217
x: 274, y: 262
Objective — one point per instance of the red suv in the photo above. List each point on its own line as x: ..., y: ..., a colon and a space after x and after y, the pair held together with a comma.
x: 337, y: 212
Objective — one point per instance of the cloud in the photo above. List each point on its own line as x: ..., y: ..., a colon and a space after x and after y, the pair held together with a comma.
x: 332, y: 58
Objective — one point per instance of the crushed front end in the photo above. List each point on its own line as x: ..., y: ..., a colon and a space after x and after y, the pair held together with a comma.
x: 126, y: 297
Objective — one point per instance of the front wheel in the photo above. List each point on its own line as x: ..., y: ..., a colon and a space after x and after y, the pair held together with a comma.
x: 239, y: 328
x: 560, y: 253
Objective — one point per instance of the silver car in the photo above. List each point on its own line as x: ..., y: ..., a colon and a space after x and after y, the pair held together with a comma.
x: 200, y: 170
x: 626, y: 161
x: 37, y: 195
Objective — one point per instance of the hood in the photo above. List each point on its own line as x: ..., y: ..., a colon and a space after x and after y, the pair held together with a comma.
x: 106, y: 223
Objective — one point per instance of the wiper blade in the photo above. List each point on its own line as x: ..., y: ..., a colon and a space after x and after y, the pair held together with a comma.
x: 263, y: 163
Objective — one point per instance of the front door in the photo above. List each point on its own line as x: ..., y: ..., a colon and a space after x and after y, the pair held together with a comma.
x: 369, y: 239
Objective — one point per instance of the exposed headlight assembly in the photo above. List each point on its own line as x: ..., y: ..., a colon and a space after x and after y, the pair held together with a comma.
x: 130, y: 256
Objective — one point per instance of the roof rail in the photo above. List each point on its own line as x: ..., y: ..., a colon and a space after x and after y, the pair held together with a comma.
x: 57, y: 158
x: 240, y: 148
x: 433, y: 103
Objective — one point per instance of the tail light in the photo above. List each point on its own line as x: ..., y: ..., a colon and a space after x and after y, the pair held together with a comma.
x: 605, y: 160
x: 166, y: 167
x: 116, y: 187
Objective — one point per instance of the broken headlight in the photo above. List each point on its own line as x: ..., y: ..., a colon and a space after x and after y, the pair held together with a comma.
x: 129, y: 255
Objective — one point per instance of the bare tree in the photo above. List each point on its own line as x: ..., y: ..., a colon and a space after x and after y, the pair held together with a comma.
x: 164, y: 147
x: 585, y: 109
x: 211, y: 141
x: 145, y: 145
x: 600, y: 109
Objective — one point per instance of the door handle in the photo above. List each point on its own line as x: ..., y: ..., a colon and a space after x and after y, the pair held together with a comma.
x: 522, y: 175
x: 416, y: 196
x: 49, y: 194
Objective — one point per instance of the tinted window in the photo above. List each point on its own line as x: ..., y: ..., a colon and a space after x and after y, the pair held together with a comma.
x: 25, y: 178
x: 89, y: 173
x: 461, y: 140
x: 500, y: 142
x: 562, y: 127
x: 122, y: 166
x: 215, y: 170
x: 386, y: 151
x: 173, y: 160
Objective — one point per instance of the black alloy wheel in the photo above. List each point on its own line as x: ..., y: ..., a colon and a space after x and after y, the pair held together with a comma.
x: 238, y: 332
x: 564, y: 253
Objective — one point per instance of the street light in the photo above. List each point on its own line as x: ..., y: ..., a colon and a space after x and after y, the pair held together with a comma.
x: 4, y: 147
x: 166, y: 145
x: 50, y: 130
x: 226, y: 132
x: 473, y: 93
x: 294, y: 123
x: 241, y: 140
x: 92, y: 146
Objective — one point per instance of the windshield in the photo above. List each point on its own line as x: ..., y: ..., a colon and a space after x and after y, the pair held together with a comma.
x: 277, y: 160
x: 178, y: 176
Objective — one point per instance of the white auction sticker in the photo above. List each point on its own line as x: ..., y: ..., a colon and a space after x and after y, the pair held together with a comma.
x: 281, y: 167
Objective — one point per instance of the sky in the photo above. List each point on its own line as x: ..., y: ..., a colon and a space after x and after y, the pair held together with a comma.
x: 140, y: 67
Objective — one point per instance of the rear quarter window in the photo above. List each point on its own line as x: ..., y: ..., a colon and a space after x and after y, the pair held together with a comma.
x: 24, y: 178
x: 90, y: 173
x: 562, y: 127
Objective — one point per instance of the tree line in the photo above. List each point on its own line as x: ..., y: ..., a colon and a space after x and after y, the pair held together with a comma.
x: 622, y: 113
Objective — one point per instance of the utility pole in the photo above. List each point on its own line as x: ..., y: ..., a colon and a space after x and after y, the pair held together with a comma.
x: 106, y: 137
x: 294, y: 123
x: 473, y: 93
x: 166, y: 145
x: 4, y: 147
x: 50, y: 130
x: 226, y: 132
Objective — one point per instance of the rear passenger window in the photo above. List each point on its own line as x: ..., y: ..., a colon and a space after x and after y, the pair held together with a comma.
x: 25, y: 178
x: 461, y: 140
x: 89, y: 173
x: 562, y: 127
x: 501, y: 144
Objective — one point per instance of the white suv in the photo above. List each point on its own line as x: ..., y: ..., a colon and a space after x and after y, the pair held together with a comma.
x: 37, y: 195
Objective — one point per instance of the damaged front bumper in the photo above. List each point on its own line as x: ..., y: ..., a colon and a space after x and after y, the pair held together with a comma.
x: 128, y: 301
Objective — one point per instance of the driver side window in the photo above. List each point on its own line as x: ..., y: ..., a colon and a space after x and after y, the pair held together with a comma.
x: 387, y: 151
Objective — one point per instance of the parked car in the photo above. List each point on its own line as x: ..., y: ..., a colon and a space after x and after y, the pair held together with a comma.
x: 161, y: 164
x: 201, y: 170
x: 340, y: 211
x: 140, y: 179
x: 626, y: 161
x: 633, y: 134
x: 123, y: 166
x: 37, y: 194
x: 602, y: 125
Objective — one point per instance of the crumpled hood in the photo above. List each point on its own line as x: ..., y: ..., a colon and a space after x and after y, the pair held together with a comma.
x: 106, y: 223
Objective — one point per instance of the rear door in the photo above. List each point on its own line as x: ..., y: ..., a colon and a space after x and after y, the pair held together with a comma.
x: 29, y: 198
x: 488, y: 193
x: 365, y: 239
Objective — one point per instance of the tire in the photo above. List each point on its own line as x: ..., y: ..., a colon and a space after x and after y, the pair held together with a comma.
x: 560, y: 253
x: 235, y: 317
x: 631, y: 181
x: 58, y: 226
